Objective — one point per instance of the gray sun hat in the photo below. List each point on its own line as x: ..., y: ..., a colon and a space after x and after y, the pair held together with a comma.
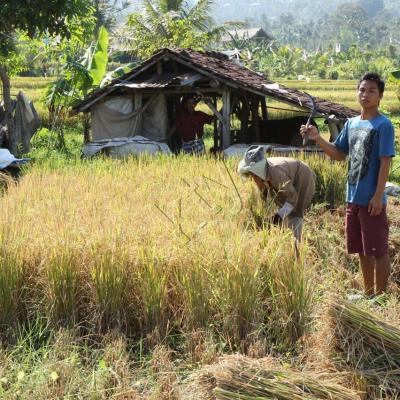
x: 254, y: 161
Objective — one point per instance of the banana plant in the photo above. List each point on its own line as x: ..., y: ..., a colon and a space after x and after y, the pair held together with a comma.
x: 76, y: 80
x: 79, y: 77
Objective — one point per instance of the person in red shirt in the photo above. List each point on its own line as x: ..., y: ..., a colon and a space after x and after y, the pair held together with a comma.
x: 189, y: 124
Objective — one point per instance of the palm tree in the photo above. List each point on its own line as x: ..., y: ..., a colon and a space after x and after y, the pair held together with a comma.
x: 175, y: 23
x: 198, y: 14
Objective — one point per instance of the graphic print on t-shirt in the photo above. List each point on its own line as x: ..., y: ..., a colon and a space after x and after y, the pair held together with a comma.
x: 360, y: 143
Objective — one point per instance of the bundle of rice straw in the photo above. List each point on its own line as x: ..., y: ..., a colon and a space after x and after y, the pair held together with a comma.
x: 394, y: 253
x: 246, y: 379
x: 371, y: 346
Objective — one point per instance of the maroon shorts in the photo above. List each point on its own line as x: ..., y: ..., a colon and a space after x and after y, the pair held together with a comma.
x: 365, y: 234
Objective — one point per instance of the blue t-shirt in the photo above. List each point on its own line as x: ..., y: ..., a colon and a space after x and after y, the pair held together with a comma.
x: 364, y: 142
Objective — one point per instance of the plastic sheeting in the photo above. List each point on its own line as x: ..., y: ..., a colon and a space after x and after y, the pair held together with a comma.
x: 7, y: 159
x: 122, y: 147
x: 155, y: 120
x: 238, y: 150
x: 114, y: 118
x: 124, y: 116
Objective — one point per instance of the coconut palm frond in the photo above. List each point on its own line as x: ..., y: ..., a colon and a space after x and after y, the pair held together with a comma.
x: 170, y: 5
x: 199, y: 15
x: 153, y: 18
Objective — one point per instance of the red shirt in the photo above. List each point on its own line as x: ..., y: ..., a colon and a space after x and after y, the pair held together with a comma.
x: 191, y: 126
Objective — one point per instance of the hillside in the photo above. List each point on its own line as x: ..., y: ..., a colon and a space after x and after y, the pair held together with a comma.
x: 304, y: 10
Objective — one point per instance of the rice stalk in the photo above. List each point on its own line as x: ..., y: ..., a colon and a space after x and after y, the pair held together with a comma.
x: 194, y: 283
x: 11, y: 287
x: 151, y: 283
x: 330, y: 180
x: 370, y: 345
x: 237, y: 294
x: 246, y: 379
x: 290, y: 288
x: 62, y: 281
x: 110, y: 279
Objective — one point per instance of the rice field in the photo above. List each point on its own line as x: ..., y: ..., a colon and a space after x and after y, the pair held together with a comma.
x: 161, y: 278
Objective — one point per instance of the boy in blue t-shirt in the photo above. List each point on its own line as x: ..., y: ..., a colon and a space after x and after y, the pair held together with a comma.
x: 368, y: 143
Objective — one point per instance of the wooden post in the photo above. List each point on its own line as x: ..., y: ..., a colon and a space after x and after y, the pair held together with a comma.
x: 333, y: 130
x: 226, y: 126
x: 264, y: 109
x: 244, y: 118
x: 217, y: 142
x: 255, y: 119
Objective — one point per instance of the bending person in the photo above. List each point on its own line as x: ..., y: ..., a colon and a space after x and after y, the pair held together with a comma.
x: 290, y: 182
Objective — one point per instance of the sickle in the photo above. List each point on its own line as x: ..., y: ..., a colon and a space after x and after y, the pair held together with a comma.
x: 313, y: 112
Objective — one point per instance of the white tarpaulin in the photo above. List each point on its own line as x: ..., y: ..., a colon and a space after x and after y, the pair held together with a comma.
x: 124, y: 116
x: 6, y: 159
x: 114, y: 118
x: 122, y: 147
x: 238, y: 150
x: 155, y: 119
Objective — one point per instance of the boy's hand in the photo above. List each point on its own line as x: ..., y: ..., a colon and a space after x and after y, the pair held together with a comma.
x: 375, y: 206
x: 309, y: 131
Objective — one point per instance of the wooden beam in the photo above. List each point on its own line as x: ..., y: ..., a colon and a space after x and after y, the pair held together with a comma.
x: 244, y: 118
x: 264, y: 109
x: 226, y: 126
x: 211, y: 106
x: 333, y: 130
x: 217, y: 141
x: 255, y: 118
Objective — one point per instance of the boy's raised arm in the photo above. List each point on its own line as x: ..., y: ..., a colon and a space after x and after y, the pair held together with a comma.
x: 329, y: 148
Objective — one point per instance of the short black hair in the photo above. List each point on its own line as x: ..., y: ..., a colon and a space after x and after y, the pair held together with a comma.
x: 373, y: 76
x: 188, y: 97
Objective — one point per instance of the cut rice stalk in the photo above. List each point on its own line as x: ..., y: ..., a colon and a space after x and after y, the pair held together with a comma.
x: 245, y: 379
x: 370, y: 345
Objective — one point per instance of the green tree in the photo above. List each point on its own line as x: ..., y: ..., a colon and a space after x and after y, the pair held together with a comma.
x: 51, y: 16
x: 175, y: 23
x: 75, y: 81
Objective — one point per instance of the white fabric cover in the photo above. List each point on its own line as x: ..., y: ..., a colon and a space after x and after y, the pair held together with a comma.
x: 6, y: 158
x: 123, y: 105
x: 155, y: 119
x: 124, y: 116
x: 238, y: 150
x: 122, y: 147
x: 113, y: 118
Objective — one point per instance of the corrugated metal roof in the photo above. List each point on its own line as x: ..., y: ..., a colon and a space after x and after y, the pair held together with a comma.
x: 162, y: 81
x: 155, y: 82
